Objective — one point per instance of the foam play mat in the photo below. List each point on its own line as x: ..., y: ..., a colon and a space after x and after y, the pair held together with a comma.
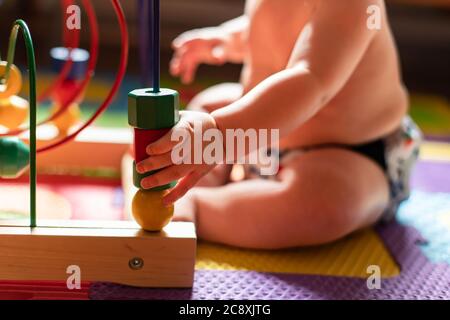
x: 412, y: 253
x: 348, y: 257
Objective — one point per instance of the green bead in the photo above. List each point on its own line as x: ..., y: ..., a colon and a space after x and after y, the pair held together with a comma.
x: 137, y: 178
x: 14, y: 157
x: 153, y: 110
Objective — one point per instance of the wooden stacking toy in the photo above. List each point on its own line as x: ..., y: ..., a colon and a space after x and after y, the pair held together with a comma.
x: 152, y: 114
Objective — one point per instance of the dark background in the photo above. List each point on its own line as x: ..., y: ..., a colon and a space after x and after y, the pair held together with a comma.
x: 422, y: 33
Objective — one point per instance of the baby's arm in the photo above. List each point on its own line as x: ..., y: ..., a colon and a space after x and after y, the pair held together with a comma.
x: 235, y: 31
x: 326, y: 54
x: 213, y: 45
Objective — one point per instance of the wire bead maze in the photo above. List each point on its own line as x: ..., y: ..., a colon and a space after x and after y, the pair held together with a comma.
x: 15, y: 156
x: 115, y: 251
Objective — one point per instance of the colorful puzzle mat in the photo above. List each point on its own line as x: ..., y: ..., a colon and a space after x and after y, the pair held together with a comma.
x: 348, y: 257
x: 413, y: 253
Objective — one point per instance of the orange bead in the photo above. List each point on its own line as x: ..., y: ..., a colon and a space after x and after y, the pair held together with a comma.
x: 13, y: 85
x: 13, y: 112
x: 149, y: 211
x: 69, y: 118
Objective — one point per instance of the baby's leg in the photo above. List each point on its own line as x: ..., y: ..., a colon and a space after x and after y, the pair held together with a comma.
x: 216, y: 97
x: 321, y: 195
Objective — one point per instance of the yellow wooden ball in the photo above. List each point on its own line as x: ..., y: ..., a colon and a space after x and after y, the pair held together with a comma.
x: 14, y: 84
x: 13, y: 112
x: 70, y: 117
x: 149, y: 211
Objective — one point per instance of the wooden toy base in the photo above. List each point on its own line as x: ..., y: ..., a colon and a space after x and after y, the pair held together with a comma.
x: 117, y: 251
x: 106, y: 251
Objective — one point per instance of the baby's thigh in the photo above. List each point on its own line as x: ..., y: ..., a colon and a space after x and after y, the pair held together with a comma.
x: 336, y: 190
x: 216, y: 97
x: 319, y: 196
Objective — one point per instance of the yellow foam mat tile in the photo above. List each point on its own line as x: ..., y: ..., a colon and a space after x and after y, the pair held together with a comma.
x: 348, y: 257
x: 435, y: 151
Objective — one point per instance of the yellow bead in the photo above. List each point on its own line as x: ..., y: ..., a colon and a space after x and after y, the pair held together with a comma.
x: 69, y: 118
x: 14, y: 84
x: 149, y: 211
x: 13, y: 112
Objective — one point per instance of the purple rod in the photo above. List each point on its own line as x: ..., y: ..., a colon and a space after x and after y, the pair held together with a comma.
x: 155, y: 45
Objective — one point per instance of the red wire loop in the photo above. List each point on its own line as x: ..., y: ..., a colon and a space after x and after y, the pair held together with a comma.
x: 91, y: 66
x: 117, y: 82
x: 89, y: 73
x: 71, y: 40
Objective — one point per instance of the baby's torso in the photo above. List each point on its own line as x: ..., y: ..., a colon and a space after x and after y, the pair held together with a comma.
x: 370, y: 105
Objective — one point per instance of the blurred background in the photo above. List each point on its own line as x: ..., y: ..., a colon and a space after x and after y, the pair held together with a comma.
x: 421, y: 29
x: 422, y: 32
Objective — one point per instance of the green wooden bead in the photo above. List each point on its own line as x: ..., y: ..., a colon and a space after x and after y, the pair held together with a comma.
x: 14, y: 157
x: 150, y: 110
x: 137, y: 178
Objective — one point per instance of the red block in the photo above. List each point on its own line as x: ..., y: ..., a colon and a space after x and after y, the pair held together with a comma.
x: 142, y: 138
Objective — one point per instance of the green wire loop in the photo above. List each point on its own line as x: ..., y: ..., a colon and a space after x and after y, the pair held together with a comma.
x: 11, y: 49
x: 31, y: 61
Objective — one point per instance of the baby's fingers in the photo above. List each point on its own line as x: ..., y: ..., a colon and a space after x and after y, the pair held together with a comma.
x: 175, y: 66
x: 182, y: 187
x: 165, y: 176
x: 184, y: 39
x: 154, y: 163
x: 188, y: 73
x: 193, y: 37
x: 170, y: 140
x: 187, y: 65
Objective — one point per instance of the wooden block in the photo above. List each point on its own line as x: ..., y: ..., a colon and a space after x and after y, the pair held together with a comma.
x: 142, y: 138
x: 104, y: 251
x: 138, y: 177
x: 153, y: 110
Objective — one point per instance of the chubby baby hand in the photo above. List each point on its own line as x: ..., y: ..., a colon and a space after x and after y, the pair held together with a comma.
x: 206, y: 45
x: 173, y: 156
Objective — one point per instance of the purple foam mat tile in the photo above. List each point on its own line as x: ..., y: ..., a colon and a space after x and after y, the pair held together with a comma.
x: 419, y: 279
x: 431, y: 176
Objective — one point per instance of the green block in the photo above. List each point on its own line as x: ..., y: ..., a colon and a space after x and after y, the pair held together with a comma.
x: 150, y: 110
x: 14, y: 157
x: 137, y: 178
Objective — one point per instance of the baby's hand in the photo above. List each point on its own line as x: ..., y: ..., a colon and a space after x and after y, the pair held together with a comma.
x: 164, y: 155
x: 207, y: 45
